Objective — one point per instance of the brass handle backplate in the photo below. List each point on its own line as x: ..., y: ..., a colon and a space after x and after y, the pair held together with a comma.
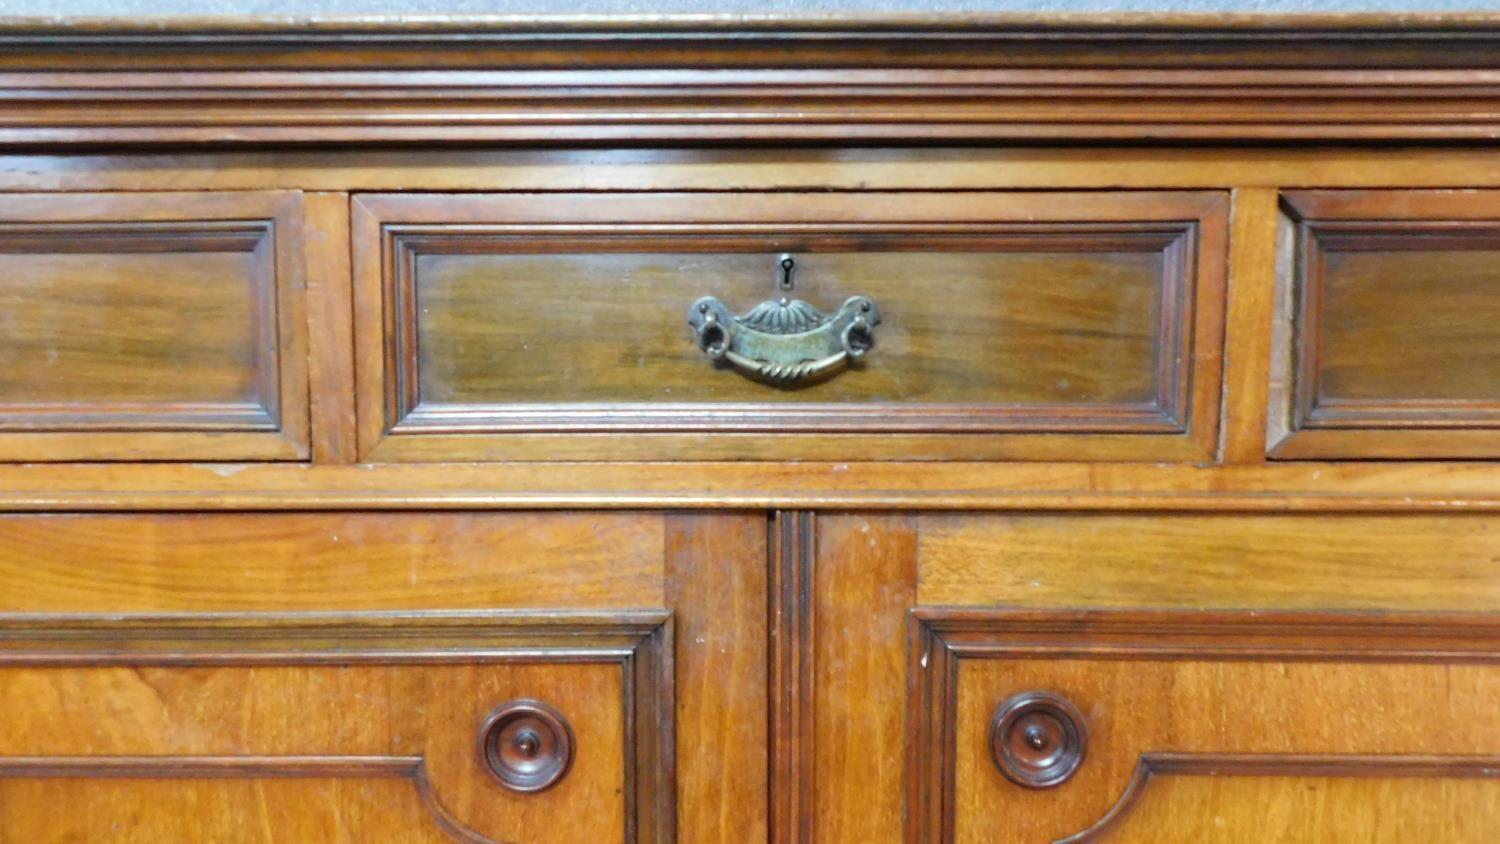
x: 786, y: 342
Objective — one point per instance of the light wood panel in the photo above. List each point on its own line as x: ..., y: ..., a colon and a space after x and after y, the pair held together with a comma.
x: 1397, y: 698
x: 152, y: 326
x: 243, y: 810
x: 1409, y: 562
x: 119, y: 715
x: 336, y: 561
x: 1317, y: 810
x: 1272, y: 487
x: 716, y: 582
x: 330, y: 320
x: 864, y: 583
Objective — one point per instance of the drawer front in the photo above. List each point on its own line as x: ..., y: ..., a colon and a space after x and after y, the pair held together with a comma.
x: 1389, y: 344
x: 487, y: 727
x: 1037, y: 326
x: 1161, y: 726
x: 152, y: 327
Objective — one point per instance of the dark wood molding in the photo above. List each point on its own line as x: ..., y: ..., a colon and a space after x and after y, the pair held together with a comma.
x: 1168, y: 413
x: 1308, y: 424
x: 706, y: 78
x: 1154, y: 765
x: 266, y: 228
x: 939, y: 638
x: 793, y: 552
x: 639, y: 642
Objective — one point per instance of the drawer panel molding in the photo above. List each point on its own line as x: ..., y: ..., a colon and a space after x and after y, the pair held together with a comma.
x: 1387, y: 344
x: 549, y: 326
x: 153, y: 326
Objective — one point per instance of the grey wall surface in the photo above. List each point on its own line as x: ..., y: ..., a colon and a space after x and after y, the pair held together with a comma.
x: 157, y: 8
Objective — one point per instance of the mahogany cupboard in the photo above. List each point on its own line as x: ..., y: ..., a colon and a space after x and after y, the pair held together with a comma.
x: 761, y: 430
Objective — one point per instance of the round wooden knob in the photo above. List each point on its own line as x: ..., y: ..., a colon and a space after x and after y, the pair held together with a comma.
x: 1038, y: 739
x: 527, y: 745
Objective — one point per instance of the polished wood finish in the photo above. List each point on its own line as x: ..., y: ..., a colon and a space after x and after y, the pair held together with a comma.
x: 717, y: 586
x: 748, y: 79
x: 94, y: 563
x: 484, y: 320
x: 152, y: 326
x: 864, y: 583
x: 793, y: 658
x: 1456, y: 806
x: 1195, y: 437
x: 1391, y: 343
x: 1335, y: 696
x: 254, y: 698
x: 1345, y: 561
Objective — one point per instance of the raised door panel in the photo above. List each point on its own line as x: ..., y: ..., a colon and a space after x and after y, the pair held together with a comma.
x: 1255, y: 636
x: 1388, y: 341
x: 475, y: 727
x: 1185, y: 726
x: 1004, y: 326
x: 152, y: 327
x: 175, y: 675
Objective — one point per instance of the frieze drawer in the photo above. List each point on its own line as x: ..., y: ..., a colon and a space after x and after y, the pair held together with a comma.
x: 963, y: 325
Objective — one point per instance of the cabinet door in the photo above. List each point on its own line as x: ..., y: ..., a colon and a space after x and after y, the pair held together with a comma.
x: 1166, y: 677
x: 484, y: 676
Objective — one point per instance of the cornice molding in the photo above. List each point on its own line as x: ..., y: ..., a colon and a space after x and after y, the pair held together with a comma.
x: 722, y: 79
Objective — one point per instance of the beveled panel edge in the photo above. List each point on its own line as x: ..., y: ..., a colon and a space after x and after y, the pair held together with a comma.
x: 639, y: 641
x: 939, y: 637
x: 1182, y: 423
x: 1304, y: 426
x: 267, y: 224
x: 1304, y: 77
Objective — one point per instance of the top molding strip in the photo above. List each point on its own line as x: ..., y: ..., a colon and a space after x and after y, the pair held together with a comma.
x: 718, y: 79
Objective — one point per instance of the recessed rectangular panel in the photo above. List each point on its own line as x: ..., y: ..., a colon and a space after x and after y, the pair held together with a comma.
x: 496, y: 326
x: 151, y: 326
x: 1391, y: 325
x: 467, y: 726
x: 1188, y: 726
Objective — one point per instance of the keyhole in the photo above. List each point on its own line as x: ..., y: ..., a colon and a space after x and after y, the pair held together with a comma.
x: 787, y: 265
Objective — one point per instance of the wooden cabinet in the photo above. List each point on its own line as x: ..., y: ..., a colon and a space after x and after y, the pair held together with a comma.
x: 736, y: 431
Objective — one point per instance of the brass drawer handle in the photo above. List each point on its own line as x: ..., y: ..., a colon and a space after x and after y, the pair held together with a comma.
x: 526, y: 745
x: 786, y: 342
x: 1038, y: 739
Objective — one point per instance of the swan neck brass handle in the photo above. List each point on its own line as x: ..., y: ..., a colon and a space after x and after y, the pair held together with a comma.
x: 785, y: 342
